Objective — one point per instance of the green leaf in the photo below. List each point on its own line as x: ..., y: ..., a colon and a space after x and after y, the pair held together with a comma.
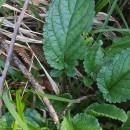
x: 20, y: 104
x: 58, y: 105
x: 17, y: 74
x: 33, y: 117
x: 32, y: 127
x: 94, y: 58
x: 107, y: 110
x: 64, y: 25
x: 66, y: 124
x: 6, y: 122
x: 101, y: 5
x: 83, y: 121
x: 11, y: 109
x: 119, y: 44
x: 126, y: 125
x: 87, y: 81
x: 114, y: 78
x: 53, y: 97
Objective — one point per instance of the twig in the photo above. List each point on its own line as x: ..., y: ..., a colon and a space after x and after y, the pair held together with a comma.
x: 77, y: 101
x: 37, y: 87
x: 10, y: 51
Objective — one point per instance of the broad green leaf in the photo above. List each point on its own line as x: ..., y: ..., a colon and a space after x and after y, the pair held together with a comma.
x: 11, y: 109
x: 6, y: 122
x: 64, y: 25
x: 119, y: 44
x: 94, y: 58
x: 114, y: 78
x: 83, y: 121
x: 33, y: 117
x: 66, y: 124
x: 126, y: 125
x: 107, y: 110
x: 32, y: 127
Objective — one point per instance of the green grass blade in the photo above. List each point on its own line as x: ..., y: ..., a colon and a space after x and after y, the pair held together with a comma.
x: 52, y: 96
x: 12, y: 110
x: 122, y: 16
x: 32, y: 8
x: 2, y: 2
x: 110, y: 30
x: 101, y: 5
x: 107, y: 18
x: 20, y: 105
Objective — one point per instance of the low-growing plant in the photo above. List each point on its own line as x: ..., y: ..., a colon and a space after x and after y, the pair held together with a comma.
x: 108, y: 67
x: 88, y: 66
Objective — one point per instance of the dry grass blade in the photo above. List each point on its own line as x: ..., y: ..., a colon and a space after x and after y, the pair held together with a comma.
x: 17, y: 10
x: 102, y: 16
x: 98, y: 22
x: 44, y: 2
x: 19, y: 37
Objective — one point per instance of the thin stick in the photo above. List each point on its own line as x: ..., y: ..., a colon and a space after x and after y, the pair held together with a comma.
x: 36, y: 86
x: 71, y: 103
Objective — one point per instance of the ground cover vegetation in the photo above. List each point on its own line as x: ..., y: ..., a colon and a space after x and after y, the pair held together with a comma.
x: 64, y: 65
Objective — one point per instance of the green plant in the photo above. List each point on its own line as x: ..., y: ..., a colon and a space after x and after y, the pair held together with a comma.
x: 86, y: 63
x: 62, y: 33
x: 107, y: 66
